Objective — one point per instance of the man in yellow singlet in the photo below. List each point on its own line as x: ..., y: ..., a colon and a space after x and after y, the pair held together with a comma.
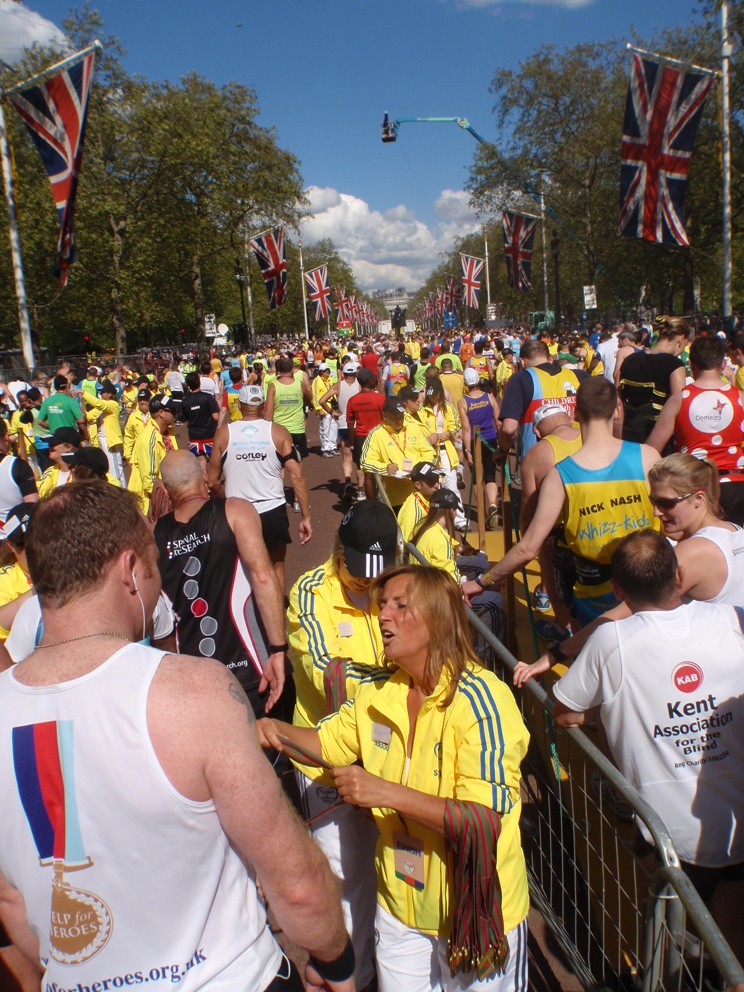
x: 604, y: 489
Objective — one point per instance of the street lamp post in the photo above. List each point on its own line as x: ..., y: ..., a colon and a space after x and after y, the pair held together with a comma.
x: 555, y: 249
x: 240, y: 279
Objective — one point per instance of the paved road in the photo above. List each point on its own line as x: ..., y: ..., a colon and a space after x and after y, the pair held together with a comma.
x: 325, y: 482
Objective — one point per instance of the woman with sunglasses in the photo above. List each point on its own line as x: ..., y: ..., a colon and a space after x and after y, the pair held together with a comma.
x: 685, y: 494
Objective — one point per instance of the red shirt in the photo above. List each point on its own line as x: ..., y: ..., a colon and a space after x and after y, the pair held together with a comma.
x: 364, y: 412
x: 710, y: 424
x: 370, y: 360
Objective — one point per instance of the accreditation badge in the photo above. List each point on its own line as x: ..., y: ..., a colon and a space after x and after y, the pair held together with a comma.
x: 409, y: 859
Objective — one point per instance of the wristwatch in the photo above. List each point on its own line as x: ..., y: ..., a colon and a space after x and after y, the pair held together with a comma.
x: 484, y: 580
x: 278, y: 648
x: 555, y: 649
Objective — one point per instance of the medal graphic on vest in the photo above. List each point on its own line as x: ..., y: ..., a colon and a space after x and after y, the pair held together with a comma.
x: 81, y: 922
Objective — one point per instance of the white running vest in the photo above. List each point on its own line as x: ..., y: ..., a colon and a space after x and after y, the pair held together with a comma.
x: 251, y: 465
x: 731, y: 543
x: 125, y: 881
x: 345, y: 392
x: 10, y: 494
x: 670, y: 687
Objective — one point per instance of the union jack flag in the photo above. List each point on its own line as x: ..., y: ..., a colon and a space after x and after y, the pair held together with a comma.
x: 662, y: 113
x: 55, y: 113
x: 519, y: 233
x: 320, y: 292
x: 471, y: 273
x: 271, y: 255
x: 440, y: 301
x: 451, y: 294
x: 342, y: 305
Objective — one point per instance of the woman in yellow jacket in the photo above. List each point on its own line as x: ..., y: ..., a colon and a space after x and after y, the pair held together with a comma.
x: 435, y: 752
x: 110, y: 438
x: 441, y: 424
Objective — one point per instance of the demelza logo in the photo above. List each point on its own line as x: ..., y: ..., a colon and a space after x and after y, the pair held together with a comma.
x: 249, y: 430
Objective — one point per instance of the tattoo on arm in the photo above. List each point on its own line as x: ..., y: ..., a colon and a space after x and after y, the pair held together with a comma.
x: 239, y: 696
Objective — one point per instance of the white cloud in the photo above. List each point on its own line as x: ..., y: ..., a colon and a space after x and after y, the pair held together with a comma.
x: 390, y: 248
x: 21, y: 27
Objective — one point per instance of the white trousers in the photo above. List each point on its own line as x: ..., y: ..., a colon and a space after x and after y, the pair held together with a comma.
x: 328, y: 430
x: 449, y: 481
x: 348, y: 837
x: 411, y: 961
x: 116, y: 463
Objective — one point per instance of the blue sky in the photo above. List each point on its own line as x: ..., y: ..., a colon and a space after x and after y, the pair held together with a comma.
x: 324, y: 72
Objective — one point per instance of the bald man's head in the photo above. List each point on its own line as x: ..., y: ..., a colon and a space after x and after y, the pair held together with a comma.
x: 181, y: 472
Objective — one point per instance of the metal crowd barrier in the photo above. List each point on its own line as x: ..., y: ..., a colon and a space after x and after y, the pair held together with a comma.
x: 624, y: 917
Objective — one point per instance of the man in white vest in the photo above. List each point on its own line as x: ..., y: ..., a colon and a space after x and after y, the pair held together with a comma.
x: 667, y: 684
x: 138, y: 809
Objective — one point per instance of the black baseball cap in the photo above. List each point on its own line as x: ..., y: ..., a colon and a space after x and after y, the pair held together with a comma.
x: 369, y: 535
x: 16, y: 522
x: 144, y: 394
x: 64, y: 435
x: 161, y: 402
x: 445, y: 498
x: 408, y: 393
x: 365, y: 375
x: 92, y: 458
x: 425, y: 472
x: 393, y: 405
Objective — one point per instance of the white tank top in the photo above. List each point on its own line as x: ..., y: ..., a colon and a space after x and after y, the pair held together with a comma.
x: 10, y: 494
x: 251, y: 465
x: 731, y: 543
x: 345, y: 392
x: 145, y: 880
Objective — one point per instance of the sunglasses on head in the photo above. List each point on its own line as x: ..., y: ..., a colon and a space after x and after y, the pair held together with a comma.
x: 668, y: 502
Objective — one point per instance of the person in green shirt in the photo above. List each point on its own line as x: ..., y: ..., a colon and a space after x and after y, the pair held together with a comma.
x: 61, y: 410
x: 446, y: 353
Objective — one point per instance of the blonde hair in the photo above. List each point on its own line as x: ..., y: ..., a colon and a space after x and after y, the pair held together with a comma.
x: 436, y: 598
x: 685, y: 474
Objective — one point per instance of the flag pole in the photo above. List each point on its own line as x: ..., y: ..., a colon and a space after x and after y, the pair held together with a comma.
x: 40, y: 77
x: 488, y: 279
x: 544, y: 252
x: 726, y: 309
x: 252, y: 342
x: 304, y: 298
x: 15, y: 247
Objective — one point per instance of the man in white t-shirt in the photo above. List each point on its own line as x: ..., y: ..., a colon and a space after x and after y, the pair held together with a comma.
x: 668, y: 684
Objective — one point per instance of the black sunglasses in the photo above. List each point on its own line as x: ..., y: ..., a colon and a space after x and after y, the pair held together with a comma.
x: 668, y: 502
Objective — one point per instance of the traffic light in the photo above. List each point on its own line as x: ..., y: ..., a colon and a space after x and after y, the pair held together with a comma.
x: 388, y: 130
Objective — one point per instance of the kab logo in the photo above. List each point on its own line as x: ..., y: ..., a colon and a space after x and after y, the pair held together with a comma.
x: 687, y: 677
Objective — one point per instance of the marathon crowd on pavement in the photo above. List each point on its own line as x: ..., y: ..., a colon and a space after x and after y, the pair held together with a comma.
x: 184, y: 740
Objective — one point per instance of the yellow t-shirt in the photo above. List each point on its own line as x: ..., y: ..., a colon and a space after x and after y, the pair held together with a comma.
x: 438, y: 548
x: 13, y: 583
x: 384, y: 446
x: 470, y: 750
x: 412, y: 513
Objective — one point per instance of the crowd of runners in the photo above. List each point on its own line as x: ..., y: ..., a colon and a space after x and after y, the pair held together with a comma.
x: 144, y: 832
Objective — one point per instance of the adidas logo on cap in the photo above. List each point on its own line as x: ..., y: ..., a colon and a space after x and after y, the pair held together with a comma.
x: 376, y: 546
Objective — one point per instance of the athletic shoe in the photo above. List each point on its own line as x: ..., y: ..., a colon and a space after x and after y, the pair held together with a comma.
x: 611, y: 797
x: 327, y: 454
x: 361, y: 495
x: 492, y: 517
x: 460, y: 481
x: 297, y: 508
x: 551, y: 630
x: 542, y: 602
x: 350, y: 491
